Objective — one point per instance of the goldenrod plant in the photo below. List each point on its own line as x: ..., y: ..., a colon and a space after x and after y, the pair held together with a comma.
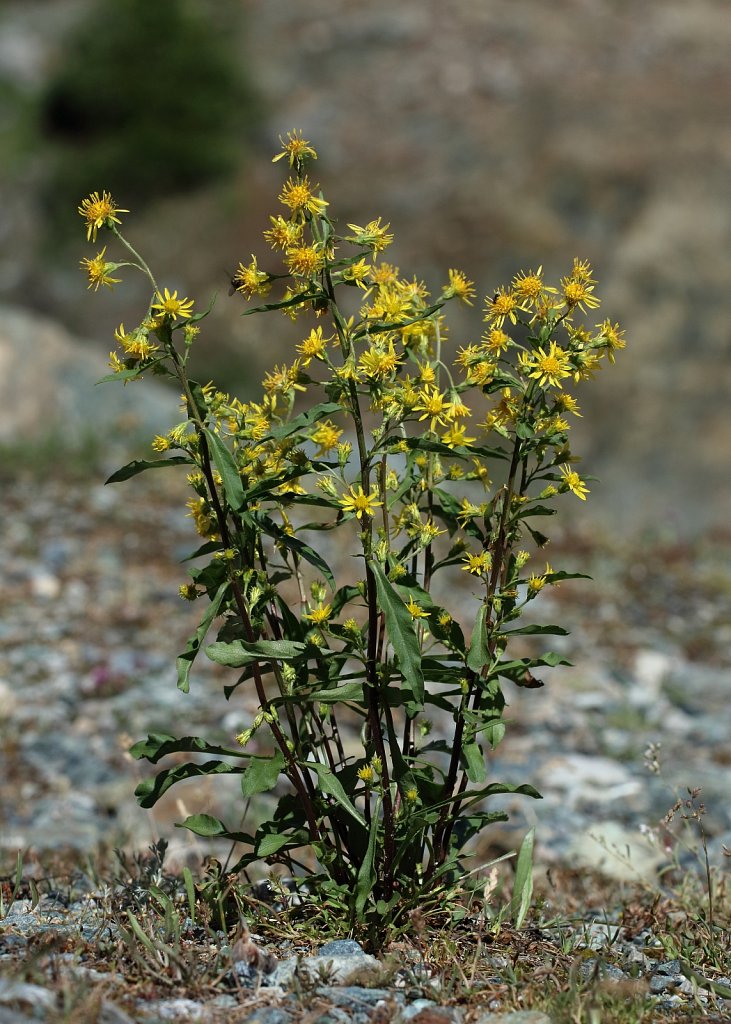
x: 369, y: 532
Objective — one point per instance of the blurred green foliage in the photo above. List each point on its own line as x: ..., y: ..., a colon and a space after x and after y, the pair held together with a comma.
x: 149, y: 98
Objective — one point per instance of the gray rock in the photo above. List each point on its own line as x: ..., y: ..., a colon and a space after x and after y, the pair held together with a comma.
x: 341, y: 948
x: 49, y: 391
x: 329, y: 970
x: 615, y: 851
x: 514, y: 1017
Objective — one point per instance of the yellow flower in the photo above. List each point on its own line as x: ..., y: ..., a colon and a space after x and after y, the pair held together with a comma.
x: 135, y: 344
x: 326, y: 436
x: 366, y: 774
x: 478, y: 565
x: 357, y: 501
x: 172, y: 306
x: 357, y: 273
x: 377, y: 363
x: 99, y: 271
x: 530, y: 288
x: 305, y: 260
x: 415, y: 611
x: 188, y: 591
x: 469, y: 511
x: 459, y: 287
x: 283, y: 233
x: 577, y: 288
x: 374, y: 235
x: 116, y: 363
x: 297, y: 195
x: 496, y: 340
x: 573, y: 482
x: 457, y: 408
x: 566, y: 403
x: 384, y: 274
x: 501, y: 306
x: 160, y: 443
x: 582, y: 271
x: 550, y: 367
x: 467, y: 355
x: 432, y: 405
x: 203, y: 517
x: 536, y: 583
x: 455, y: 436
x: 320, y: 615
x: 481, y: 373
x: 295, y: 148
x: 249, y: 280
x: 283, y: 379
x: 612, y: 337
x: 313, y: 347
x: 99, y: 212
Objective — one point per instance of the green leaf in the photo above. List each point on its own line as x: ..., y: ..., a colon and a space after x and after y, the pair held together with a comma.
x: 150, y: 790
x: 523, y: 885
x: 223, y: 460
x: 352, y: 691
x: 184, y: 661
x: 367, y: 872
x: 305, y: 419
x: 471, y: 796
x: 160, y: 744
x: 121, y: 375
x: 401, y: 632
x: 140, y: 465
x: 261, y: 774
x: 493, y: 733
x: 329, y: 784
x: 204, y: 825
x: 478, y: 655
x: 555, y: 577
x: 211, y: 828
x: 475, y: 762
x: 272, y: 842
x: 295, y: 300
x: 241, y: 652
x: 534, y: 630
x: 518, y: 671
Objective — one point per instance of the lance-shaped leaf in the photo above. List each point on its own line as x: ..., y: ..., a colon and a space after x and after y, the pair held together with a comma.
x: 401, y: 632
x: 273, y: 843
x: 223, y: 460
x: 367, y: 872
x: 150, y: 790
x: 261, y: 774
x: 140, y: 465
x: 212, y: 828
x: 352, y: 691
x: 471, y: 796
x: 479, y: 655
x: 240, y: 652
x: 519, y: 671
x: 523, y: 885
x: 329, y: 784
x: 474, y: 762
x: 305, y: 419
x: 184, y: 662
x: 160, y: 744
x: 535, y: 630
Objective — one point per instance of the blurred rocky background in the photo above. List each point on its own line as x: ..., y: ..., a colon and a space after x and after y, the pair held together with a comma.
x: 492, y: 136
